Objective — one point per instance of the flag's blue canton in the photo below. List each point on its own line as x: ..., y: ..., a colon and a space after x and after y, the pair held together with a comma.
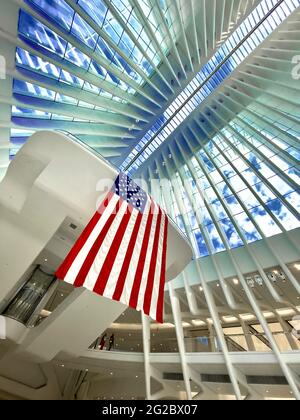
x: 130, y: 192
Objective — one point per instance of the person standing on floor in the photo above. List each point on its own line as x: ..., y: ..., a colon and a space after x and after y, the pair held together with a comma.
x: 111, y: 342
x: 102, y: 342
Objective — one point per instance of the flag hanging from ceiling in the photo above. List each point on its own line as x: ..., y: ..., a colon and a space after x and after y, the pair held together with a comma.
x: 121, y: 254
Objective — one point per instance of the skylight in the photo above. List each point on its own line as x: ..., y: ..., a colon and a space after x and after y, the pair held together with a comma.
x: 114, y: 61
x: 242, y: 186
x: 265, y: 18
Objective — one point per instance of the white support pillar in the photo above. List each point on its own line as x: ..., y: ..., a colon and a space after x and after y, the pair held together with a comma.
x: 146, y: 345
x: 219, y: 331
x: 288, y: 332
x: 248, y: 335
x: 253, y: 394
x: 262, y: 320
x: 212, y: 337
x: 180, y: 339
x: 206, y: 393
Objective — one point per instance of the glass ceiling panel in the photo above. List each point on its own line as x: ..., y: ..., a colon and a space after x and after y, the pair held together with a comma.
x: 61, y: 15
x: 200, y: 88
x: 241, y: 187
x: 96, y: 46
x: 236, y: 190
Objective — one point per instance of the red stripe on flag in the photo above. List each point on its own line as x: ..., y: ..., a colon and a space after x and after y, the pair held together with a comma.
x: 125, y: 267
x: 160, y: 301
x: 152, y: 269
x: 112, y: 255
x: 141, y: 264
x: 64, y: 268
x: 81, y: 277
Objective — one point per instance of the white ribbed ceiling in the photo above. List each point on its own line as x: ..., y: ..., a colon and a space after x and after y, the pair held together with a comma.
x: 105, y: 70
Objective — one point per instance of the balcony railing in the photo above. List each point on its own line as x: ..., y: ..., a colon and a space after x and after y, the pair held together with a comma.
x: 203, y: 344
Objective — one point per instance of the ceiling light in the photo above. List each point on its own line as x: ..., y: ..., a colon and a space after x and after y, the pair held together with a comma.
x: 297, y: 266
x: 230, y: 319
x: 285, y: 312
x: 235, y: 281
x: 247, y: 317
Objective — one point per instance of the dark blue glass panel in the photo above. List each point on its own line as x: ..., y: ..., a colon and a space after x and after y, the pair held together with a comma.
x: 96, y: 9
x: 58, y: 10
x: 35, y: 31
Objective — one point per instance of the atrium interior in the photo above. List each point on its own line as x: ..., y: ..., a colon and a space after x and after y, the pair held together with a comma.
x: 198, y: 101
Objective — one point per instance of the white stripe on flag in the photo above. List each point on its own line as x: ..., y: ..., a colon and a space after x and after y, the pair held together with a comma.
x: 154, y: 299
x: 122, y: 251
x: 81, y: 257
x: 125, y: 297
x: 97, y: 265
x: 140, y: 302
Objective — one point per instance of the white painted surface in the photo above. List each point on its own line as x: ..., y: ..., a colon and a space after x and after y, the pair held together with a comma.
x: 53, y: 179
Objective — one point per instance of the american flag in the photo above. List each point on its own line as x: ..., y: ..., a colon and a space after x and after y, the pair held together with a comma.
x: 121, y: 254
